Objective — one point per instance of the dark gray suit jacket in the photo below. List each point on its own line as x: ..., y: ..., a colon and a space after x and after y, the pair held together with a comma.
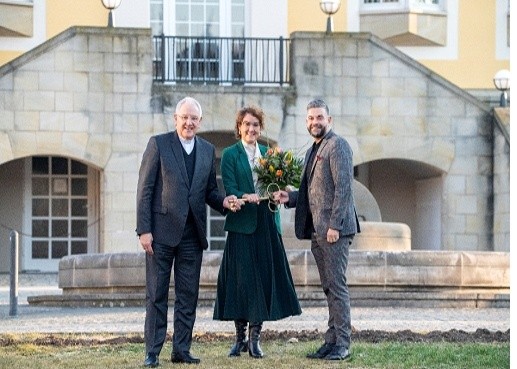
x: 328, y: 191
x: 164, y: 194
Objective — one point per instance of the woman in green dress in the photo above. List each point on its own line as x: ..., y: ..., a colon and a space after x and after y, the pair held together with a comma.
x: 254, y: 283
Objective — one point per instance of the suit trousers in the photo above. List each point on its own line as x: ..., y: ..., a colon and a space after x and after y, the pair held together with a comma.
x: 186, y: 259
x: 332, y: 262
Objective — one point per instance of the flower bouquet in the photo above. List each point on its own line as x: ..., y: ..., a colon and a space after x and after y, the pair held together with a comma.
x: 278, y: 169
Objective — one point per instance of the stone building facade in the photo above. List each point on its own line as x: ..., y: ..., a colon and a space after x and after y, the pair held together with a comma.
x: 428, y: 152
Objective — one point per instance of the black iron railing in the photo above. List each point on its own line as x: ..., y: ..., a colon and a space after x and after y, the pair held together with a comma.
x: 221, y: 60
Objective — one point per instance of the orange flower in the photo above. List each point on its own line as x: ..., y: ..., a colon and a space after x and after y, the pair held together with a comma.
x: 279, y: 173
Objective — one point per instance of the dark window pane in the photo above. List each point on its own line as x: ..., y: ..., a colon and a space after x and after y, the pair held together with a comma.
x: 79, y: 168
x: 217, y: 245
x: 79, y: 207
x: 79, y: 247
x: 40, y: 207
x: 217, y: 228
x: 39, y: 250
x: 39, y: 165
x: 59, y: 165
x: 40, y: 186
x: 59, y: 249
x: 40, y: 228
x: 79, y: 228
x: 79, y: 186
x: 60, y: 207
x: 60, y: 186
x: 59, y: 228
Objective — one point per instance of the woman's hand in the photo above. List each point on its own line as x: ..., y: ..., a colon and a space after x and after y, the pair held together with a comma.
x: 251, y: 198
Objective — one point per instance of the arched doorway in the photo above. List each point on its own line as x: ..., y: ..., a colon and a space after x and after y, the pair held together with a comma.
x: 53, y: 203
x: 407, y: 192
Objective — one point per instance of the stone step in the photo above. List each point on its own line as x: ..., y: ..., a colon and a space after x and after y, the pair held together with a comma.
x: 308, y: 297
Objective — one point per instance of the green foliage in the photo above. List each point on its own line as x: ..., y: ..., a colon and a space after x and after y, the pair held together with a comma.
x: 19, y: 353
x: 278, y: 168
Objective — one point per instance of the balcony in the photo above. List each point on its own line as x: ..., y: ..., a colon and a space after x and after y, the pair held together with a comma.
x: 221, y: 60
x: 406, y: 22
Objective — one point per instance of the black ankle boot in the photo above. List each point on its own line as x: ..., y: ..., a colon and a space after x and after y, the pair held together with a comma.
x: 241, y: 342
x: 254, y: 344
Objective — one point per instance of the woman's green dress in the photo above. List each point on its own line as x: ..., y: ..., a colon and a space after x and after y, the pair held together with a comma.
x: 255, y: 282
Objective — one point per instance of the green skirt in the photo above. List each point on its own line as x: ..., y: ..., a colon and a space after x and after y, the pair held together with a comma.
x: 255, y: 282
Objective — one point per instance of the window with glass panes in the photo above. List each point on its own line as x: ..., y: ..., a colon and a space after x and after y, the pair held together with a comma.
x: 201, y: 59
x: 59, y: 214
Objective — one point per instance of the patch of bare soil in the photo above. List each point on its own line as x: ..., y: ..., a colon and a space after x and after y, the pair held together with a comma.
x: 370, y: 336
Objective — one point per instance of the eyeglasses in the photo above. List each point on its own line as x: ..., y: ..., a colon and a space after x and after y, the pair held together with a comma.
x: 193, y: 118
x: 250, y: 124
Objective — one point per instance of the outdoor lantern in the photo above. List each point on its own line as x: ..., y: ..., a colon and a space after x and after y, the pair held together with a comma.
x: 330, y: 7
x: 502, y: 83
x: 111, y: 5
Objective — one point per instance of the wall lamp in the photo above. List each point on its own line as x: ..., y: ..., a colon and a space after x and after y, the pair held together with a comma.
x: 111, y: 5
x: 330, y: 7
x: 502, y: 83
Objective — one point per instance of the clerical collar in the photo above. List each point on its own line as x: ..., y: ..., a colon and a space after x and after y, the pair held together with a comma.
x: 188, y: 145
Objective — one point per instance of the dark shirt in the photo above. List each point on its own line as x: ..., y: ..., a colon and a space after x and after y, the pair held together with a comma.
x: 310, y: 161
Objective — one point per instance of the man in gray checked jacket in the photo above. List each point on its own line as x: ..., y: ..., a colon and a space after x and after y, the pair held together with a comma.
x: 325, y: 213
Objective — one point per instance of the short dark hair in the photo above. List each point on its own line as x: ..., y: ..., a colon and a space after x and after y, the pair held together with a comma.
x: 318, y: 103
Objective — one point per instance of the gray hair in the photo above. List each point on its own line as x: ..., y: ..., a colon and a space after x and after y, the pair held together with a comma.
x: 190, y: 100
x: 318, y: 103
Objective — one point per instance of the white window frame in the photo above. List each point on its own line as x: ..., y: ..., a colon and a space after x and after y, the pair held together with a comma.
x: 49, y: 264
x: 403, y: 5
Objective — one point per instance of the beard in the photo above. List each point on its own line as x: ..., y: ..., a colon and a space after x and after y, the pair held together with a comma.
x: 322, y: 131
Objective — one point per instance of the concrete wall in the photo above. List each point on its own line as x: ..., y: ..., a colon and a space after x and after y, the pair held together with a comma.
x: 414, y: 278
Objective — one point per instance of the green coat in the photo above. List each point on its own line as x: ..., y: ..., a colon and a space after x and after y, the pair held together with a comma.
x: 238, y: 180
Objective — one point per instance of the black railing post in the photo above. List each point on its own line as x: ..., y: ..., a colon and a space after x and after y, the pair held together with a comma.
x: 13, y: 294
x: 162, y: 57
x: 281, y: 61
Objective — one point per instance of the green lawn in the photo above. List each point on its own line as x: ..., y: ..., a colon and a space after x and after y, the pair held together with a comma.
x: 78, y: 351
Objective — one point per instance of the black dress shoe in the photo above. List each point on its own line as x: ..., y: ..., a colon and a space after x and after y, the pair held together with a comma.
x: 151, y: 361
x: 338, y: 353
x: 323, y: 351
x: 184, y: 357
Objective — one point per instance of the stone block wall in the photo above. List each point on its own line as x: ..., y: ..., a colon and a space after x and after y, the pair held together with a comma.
x: 501, y: 179
x: 373, y: 275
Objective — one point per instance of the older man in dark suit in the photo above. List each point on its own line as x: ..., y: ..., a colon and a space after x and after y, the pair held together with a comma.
x: 176, y: 181
x: 325, y: 213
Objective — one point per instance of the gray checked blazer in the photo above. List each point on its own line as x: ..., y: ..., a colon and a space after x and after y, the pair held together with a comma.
x: 328, y: 191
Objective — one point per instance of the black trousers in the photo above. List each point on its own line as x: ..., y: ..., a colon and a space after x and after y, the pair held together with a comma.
x: 186, y: 259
